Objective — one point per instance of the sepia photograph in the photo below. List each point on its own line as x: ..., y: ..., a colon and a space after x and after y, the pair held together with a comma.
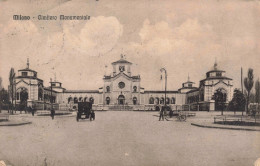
x: 129, y: 83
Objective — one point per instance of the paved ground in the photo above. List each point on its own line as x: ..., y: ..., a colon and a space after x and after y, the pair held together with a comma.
x: 126, y: 138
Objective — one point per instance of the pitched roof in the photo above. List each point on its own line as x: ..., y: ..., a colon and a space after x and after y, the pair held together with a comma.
x: 27, y: 69
x: 121, y: 61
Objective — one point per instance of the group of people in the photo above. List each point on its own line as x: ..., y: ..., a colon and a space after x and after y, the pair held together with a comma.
x: 32, y: 109
x: 162, y: 111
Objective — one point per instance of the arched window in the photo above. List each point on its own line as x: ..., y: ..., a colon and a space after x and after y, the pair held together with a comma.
x: 85, y: 99
x: 75, y: 100
x: 135, y: 89
x: 69, y: 99
x: 167, y: 100
x: 156, y: 100
x: 151, y: 100
x: 162, y: 100
x: 91, y: 99
x: 134, y: 100
x: 40, y: 94
x: 80, y: 99
x: 173, y: 100
x: 17, y: 95
x: 108, y: 100
x: 108, y: 88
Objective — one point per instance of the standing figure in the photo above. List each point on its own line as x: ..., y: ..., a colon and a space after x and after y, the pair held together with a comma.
x: 161, y: 113
x: 30, y: 109
x: 33, y: 110
x: 52, y: 113
x: 92, y: 115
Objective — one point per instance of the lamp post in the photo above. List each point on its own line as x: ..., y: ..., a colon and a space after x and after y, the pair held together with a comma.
x: 51, y: 95
x: 165, y: 73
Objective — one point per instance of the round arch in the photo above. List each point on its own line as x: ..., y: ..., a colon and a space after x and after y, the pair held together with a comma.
x: 134, y: 100
x: 161, y: 100
x: 75, y: 100
x: 107, y: 100
x: 91, y: 99
x: 151, y: 100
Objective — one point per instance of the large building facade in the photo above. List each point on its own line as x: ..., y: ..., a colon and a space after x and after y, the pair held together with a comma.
x: 122, y: 91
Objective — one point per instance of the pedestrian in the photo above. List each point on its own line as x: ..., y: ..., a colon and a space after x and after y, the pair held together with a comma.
x: 30, y: 109
x: 33, y: 109
x: 171, y: 112
x: 161, y: 113
x: 92, y: 115
x: 52, y: 113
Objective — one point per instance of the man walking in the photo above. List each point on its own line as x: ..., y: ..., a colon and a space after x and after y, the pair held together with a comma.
x: 33, y: 110
x: 161, y: 113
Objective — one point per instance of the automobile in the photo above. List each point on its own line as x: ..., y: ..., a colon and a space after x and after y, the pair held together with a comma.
x: 85, y: 111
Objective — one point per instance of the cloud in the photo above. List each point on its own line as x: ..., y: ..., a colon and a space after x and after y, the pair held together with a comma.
x: 98, y: 36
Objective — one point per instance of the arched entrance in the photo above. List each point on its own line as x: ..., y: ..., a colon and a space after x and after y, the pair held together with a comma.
x: 220, y: 97
x: 134, y: 100
x: 108, y: 100
x: 121, y: 99
x: 23, y: 98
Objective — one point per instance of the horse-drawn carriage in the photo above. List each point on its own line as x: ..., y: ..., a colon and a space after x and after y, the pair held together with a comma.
x: 85, y: 111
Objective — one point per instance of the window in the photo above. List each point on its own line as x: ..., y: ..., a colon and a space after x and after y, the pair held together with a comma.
x: 80, y: 99
x: 190, y: 85
x: 69, y: 99
x: 121, y: 68
x: 151, y: 100
x: 121, y: 85
x: 85, y: 99
x: 167, y: 100
x: 75, y: 100
x: 91, y: 99
x: 135, y: 89
x: 52, y: 84
x: 173, y: 100
x: 162, y: 100
x: 24, y: 73
x: 108, y: 88
x: 17, y: 96
x: 156, y: 100
x: 218, y: 74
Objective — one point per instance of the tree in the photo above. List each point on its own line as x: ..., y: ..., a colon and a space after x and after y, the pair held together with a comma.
x: 238, y: 102
x: 1, y: 83
x: 249, y: 83
x: 220, y: 99
x: 11, y: 81
x: 1, y: 95
x: 257, y: 91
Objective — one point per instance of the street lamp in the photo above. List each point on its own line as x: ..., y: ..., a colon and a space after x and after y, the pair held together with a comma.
x: 51, y: 94
x: 165, y: 73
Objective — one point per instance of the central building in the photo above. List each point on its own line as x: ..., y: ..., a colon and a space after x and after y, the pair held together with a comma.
x: 121, y: 88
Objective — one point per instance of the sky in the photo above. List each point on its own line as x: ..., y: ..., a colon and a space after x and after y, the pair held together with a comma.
x: 185, y: 37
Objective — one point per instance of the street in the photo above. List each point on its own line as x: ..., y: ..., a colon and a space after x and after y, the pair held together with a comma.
x: 125, y: 138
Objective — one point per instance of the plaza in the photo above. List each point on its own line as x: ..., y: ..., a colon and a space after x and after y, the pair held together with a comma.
x: 125, y: 138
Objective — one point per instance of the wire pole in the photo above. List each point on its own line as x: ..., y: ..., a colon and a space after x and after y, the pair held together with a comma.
x: 165, y: 73
x: 242, y: 80
x: 51, y: 95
